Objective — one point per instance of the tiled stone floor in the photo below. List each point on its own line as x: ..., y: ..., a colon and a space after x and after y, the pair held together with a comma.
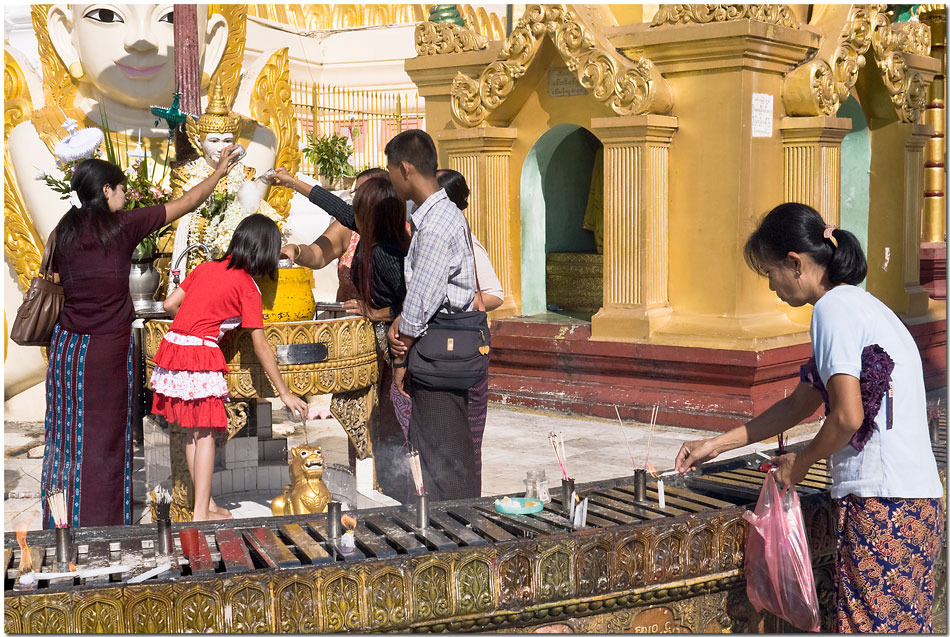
x: 515, y: 441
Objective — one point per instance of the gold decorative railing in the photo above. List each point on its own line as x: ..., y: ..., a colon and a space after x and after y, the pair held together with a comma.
x: 369, y: 118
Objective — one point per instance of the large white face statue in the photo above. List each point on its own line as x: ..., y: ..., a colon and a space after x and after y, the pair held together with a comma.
x: 127, y: 50
x: 213, y: 144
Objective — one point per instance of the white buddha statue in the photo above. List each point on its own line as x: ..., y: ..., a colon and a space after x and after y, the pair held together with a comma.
x: 103, y: 66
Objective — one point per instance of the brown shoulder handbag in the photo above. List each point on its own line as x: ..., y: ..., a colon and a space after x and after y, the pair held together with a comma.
x: 41, y: 306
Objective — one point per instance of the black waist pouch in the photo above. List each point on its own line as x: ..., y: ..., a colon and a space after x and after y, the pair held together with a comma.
x: 453, y: 353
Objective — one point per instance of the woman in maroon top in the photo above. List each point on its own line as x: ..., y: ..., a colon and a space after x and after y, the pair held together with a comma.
x: 88, y: 429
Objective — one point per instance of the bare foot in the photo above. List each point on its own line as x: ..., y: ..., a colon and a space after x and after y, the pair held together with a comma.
x: 214, y: 508
x: 220, y: 514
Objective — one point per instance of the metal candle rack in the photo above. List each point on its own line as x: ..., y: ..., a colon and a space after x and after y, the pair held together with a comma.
x: 269, y: 550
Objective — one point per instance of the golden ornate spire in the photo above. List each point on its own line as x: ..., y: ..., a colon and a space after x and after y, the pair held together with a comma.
x: 217, y: 117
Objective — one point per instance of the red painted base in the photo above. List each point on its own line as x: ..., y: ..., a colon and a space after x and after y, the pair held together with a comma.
x: 933, y: 269
x: 557, y: 367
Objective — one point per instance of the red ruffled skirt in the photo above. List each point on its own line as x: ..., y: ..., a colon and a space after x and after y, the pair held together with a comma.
x: 189, y: 383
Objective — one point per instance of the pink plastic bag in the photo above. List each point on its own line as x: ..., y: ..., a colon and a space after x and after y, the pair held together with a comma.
x: 778, y: 571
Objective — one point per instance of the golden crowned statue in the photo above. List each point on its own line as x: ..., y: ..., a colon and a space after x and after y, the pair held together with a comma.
x: 238, y: 194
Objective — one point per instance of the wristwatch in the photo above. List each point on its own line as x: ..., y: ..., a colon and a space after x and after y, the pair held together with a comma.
x: 396, y: 365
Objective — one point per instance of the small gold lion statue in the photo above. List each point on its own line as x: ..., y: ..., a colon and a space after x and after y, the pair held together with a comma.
x: 306, y: 492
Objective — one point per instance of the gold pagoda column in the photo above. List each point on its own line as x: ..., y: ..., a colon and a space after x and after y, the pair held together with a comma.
x: 897, y: 189
x: 934, y: 221
x: 812, y: 147
x: 636, y: 225
x: 483, y: 156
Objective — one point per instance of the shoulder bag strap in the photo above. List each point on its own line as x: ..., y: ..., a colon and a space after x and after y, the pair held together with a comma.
x: 48, y: 254
x: 480, y: 303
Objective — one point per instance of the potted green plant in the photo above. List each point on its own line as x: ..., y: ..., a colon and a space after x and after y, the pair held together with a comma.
x: 331, y: 155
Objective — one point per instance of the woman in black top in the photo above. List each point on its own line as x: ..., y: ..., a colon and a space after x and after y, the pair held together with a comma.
x: 380, y: 219
x: 377, y: 274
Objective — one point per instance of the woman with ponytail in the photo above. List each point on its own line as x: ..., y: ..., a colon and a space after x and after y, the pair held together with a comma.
x: 866, y: 371
x: 88, y: 452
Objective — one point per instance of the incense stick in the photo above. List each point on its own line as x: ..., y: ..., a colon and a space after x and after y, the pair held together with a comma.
x: 650, y: 436
x: 163, y: 503
x: 558, y: 445
x: 560, y: 439
x: 625, y: 441
x: 415, y: 465
x: 57, y: 508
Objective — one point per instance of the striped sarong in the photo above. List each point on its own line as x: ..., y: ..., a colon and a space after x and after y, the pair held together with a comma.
x: 88, y: 453
x: 439, y: 430
x: 887, y: 549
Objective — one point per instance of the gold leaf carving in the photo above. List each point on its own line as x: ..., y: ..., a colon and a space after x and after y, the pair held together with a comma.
x: 342, y: 604
x: 353, y: 410
x: 47, y: 618
x: 198, y: 612
x: 229, y: 69
x: 830, y: 78
x: 388, y: 600
x: 430, y: 592
x: 835, y: 80
x: 249, y: 610
x: 99, y: 616
x: 592, y: 570
x: 150, y: 614
x: 705, y: 13
x: 16, y: 95
x: 436, y: 38
x: 11, y: 616
x: 20, y: 242
x: 59, y: 88
x: 627, y: 87
x: 514, y: 576
x: 555, y: 570
x: 271, y: 107
x: 911, y: 37
x: 295, y: 609
x: 473, y: 580
x: 906, y: 86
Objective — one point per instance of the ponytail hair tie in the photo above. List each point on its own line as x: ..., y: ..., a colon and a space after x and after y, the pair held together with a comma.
x: 74, y: 199
x: 829, y: 234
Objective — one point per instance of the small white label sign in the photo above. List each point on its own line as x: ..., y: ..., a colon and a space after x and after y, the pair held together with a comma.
x: 761, y: 115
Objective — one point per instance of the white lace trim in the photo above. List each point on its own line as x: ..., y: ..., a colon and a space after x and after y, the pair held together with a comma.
x: 189, y: 385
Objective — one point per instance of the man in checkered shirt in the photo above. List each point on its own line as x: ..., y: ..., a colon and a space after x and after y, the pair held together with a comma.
x: 440, y: 277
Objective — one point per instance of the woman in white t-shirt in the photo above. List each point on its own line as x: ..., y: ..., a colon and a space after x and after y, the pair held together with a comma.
x: 492, y: 296
x: 867, y: 372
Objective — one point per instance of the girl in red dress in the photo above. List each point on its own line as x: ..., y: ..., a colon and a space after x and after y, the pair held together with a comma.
x: 188, y: 380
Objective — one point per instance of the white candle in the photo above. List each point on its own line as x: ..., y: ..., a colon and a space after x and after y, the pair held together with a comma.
x: 661, y: 496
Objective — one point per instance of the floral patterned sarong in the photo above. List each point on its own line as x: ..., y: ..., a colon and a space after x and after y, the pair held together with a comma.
x: 887, y: 550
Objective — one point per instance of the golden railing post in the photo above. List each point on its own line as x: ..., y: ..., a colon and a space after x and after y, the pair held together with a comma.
x: 636, y: 225
x: 813, y: 162
x: 398, y: 113
x: 934, y: 221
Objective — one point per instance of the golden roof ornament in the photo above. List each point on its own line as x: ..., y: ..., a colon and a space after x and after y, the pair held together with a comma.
x: 217, y: 118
